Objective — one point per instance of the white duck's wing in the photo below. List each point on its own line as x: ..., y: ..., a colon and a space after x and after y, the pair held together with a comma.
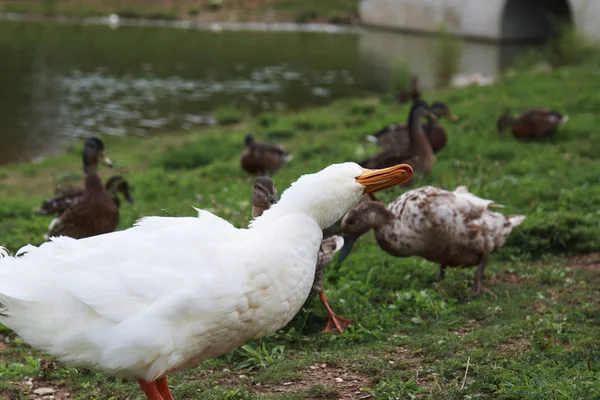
x: 101, y: 272
x: 122, y: 303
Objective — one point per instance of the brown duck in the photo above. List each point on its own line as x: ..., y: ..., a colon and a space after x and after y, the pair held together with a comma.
x: 116, y: 185
x: 413, y: 93
x: 416, y: 152
x: 94, y: 212
x: 263, y: 158
x: 397, y: 135
x: 453, y: 229
x: 265, y: 195
x: 535, y: 123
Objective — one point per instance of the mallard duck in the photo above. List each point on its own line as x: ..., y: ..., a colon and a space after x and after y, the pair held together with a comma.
x: 450, y: 228
x: 115, y: 185
x: 397, y: 136
x: 262, y: 158
x: 416, y: 151
x: 413, y: 93
x: 171, y: 292
x: 265, y: 195
x: 94, y: 212
x: 531, y: 124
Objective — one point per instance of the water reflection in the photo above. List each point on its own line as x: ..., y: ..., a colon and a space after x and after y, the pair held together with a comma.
x: 383, y: 50
x: 61, y: 82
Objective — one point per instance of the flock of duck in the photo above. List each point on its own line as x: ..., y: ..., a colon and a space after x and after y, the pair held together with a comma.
x: 171, y: 292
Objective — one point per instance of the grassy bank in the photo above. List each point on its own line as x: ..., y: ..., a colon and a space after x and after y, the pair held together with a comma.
x: 535, y: 336
x: 301, y: 11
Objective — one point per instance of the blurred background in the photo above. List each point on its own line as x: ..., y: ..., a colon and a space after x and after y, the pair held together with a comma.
x: 71, y: 68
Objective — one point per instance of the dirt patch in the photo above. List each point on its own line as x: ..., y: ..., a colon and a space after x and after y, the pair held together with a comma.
x: 515, y: 345
x: 508, y: 277
x: 588, y: 262
x: 348, y: 383
x: 33, y: 390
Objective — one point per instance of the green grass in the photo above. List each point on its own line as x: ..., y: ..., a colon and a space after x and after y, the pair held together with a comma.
x: 535, y: 336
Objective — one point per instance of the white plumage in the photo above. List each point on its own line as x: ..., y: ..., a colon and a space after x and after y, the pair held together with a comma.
x: 169, y: 293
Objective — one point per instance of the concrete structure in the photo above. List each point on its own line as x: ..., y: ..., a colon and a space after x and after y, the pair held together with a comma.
x: 497, y: 20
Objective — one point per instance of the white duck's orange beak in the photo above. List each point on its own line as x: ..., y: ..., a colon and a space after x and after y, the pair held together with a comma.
x: 375, y: 180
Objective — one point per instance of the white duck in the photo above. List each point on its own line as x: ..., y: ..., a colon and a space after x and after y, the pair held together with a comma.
x: 169, y: 292
x: 264, y: 196
x: 450, y: 228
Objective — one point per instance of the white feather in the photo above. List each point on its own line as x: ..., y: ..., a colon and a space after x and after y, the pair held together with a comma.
x: 169, y: 292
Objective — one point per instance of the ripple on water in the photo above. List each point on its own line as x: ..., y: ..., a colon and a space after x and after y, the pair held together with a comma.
x: 100, y: 102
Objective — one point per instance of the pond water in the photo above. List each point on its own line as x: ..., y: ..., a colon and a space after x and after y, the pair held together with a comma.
x: 63, y: 81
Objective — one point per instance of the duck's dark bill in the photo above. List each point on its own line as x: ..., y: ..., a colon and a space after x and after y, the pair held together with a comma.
x: 345, y: 250
x: 453, y: 117
x: 105, y: 159
x: 375, y: 180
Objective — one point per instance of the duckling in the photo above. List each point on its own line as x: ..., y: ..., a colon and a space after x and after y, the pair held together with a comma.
x: 263, y: 197
x: 412, y: 93
x: 535, y: 123
x: 450, y: 228
x: 397, y: 135
x: 65, y: 196
x: 416, y: 151
x: 262, y: 158
x: 94, y: 212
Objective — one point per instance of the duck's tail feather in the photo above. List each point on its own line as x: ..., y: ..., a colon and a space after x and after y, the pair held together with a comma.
x: 516, y: 220
x: 373, y: 139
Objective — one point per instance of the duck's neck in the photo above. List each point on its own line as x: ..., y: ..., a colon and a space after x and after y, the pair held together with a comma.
x: 377, y: 215
x: 92, y: 181
x: 420, y: 146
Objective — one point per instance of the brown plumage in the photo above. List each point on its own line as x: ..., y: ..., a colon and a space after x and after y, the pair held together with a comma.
x: 397, y: 136
x: 65, y: 196
x: 94, y: 212
x: 450, y: 228
x: 416, y: 152
x: 263, y: 158
x: 535, y: 123
x: 413, y: 93
x: 265, y: 195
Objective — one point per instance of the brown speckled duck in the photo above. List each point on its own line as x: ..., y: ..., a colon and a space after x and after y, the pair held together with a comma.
x: 116, y: 185
x: 535, y: 123
x: 265, y: 195
x: 263, y: 158
x: 397, y: 135
x: 94, y: 212
x: 416, y: 151
x: 453, y: 229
